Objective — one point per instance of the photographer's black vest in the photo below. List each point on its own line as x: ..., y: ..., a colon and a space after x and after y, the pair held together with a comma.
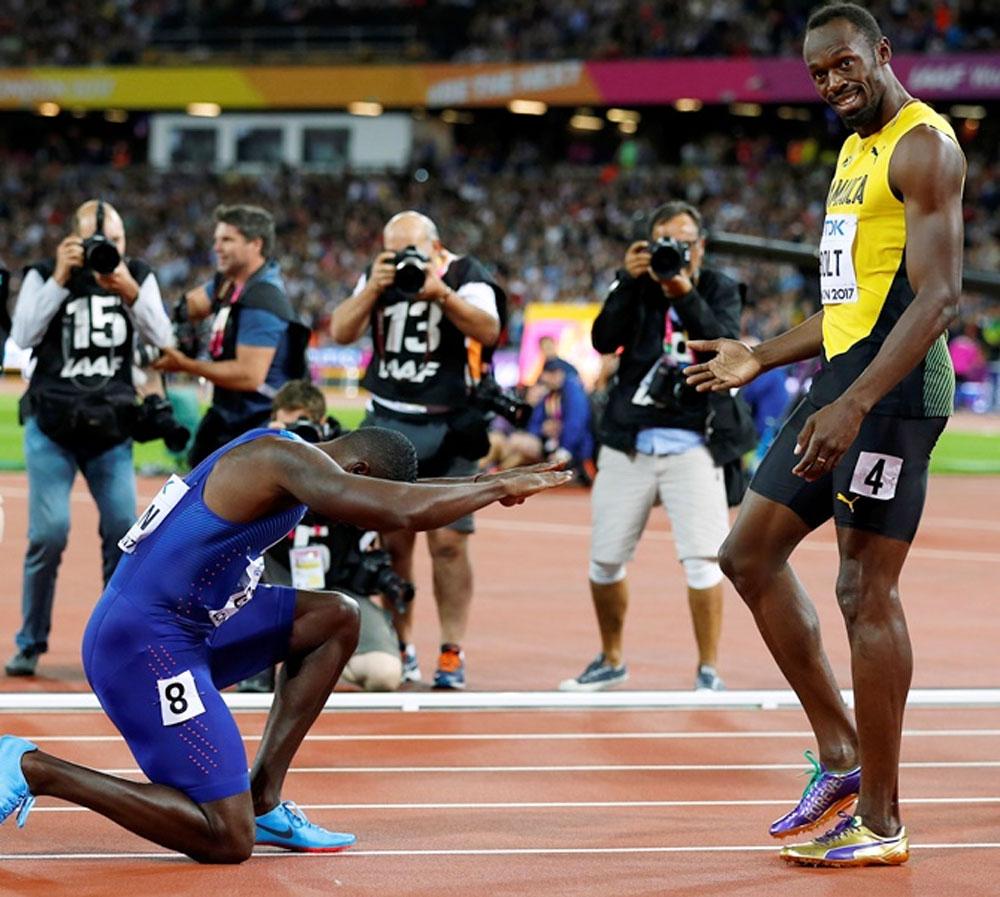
x: 87, y: 348
x: 419, y: 355
x: 264, y: 290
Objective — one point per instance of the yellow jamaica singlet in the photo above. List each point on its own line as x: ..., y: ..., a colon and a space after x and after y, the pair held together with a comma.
x: 863, y: 283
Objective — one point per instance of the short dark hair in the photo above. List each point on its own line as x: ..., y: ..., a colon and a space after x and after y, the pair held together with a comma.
x: 858, y: 16
x: 670, y: 210
x: 253, y: 222
x: 300, y: 394
x: 390, y: 455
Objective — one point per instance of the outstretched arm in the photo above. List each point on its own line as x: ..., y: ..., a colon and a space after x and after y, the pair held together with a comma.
x: 284, y: 472
x: 736, y: 364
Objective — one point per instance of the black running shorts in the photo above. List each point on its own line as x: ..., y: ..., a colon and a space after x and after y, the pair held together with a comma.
x: 879, y: 485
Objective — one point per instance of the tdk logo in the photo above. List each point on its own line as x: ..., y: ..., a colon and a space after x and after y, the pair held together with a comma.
x: 833, y: 227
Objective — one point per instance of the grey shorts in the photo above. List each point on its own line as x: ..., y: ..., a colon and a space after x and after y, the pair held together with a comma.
x: 689, y: 486
x: 428, y: 438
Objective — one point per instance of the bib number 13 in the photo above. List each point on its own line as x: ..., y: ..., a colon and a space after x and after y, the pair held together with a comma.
x: 179, y: 699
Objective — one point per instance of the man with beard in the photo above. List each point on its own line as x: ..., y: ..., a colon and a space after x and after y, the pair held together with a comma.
x: 857, y: 448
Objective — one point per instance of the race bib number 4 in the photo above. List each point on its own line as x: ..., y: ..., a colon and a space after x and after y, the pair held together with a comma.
x: 179, y: 699
x: 837, y: 281
x: 173, y: 491
x: 876, y: 475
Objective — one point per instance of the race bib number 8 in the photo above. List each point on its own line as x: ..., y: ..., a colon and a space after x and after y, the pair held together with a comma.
x: 837, y: 281
x: 179, y: 699
x: 876, y: 475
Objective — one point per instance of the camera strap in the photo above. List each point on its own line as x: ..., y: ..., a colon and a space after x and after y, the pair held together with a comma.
x: 221, y: 320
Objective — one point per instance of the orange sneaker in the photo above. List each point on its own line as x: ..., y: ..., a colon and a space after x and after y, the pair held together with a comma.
x: 450, y: 673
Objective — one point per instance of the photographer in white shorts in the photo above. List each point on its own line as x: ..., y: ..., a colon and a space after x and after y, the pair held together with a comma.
x: 655, y: 436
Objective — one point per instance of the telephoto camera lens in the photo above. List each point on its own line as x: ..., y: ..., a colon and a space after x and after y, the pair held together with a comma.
x: 100, y: 254
x: 411, y: 271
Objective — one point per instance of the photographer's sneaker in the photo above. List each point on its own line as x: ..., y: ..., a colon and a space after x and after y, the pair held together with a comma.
x: 708, y: 679
x: 850, y: 843
x: 826, y: 795
x: 286, y: 826
x: 598, y: 675
x: 14, y: 793
x: 450, y: 673
x: 411, y: 667
x: 22, y: 664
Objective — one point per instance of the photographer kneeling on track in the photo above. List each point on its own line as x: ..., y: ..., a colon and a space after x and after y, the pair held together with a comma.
x: 432, y: 316
x: 338, y: 557
x: 78, y: 314
x: 661, y: 440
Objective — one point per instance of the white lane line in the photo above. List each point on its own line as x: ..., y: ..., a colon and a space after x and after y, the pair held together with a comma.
x: 581, y: 530
x: 574, y: 805
x: 553, y: 736
x: 584, y: 767
x: 498, y: 851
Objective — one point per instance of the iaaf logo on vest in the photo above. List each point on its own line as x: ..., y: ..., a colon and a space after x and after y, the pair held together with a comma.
x: 91, y: 367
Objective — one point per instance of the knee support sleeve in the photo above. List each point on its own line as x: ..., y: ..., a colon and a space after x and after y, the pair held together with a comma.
x: 701, y: 573
x: 606, y: 574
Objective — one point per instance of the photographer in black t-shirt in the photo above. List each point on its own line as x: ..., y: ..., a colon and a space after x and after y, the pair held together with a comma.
x: 427, y: 310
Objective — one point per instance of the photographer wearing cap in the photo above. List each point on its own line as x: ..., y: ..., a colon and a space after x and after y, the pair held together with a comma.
x: 658, y: 437
x: 257, y: 342
x: 79, y: 314
x: 320, y: 554
x: 430, y: 313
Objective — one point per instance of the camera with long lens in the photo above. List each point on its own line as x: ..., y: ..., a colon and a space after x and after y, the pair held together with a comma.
x: 668, y: 389
x: 99, y: 253
x: 314, y: 432
x: 187, y: 333
x: 154, y: 419
x: 489, y: 396
x: 668, y: 257
x: 411, y: 270
x: 364, y: 571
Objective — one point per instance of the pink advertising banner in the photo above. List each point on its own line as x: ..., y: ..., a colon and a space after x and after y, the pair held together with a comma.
x: 967, y: 76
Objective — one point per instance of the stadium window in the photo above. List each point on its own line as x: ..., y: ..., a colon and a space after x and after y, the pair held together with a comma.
x: 326, y: 147
x: 193, y: 146
x: 259, y: 146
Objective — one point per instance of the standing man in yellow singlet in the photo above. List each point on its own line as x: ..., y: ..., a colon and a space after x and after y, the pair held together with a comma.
x: 857, y: 448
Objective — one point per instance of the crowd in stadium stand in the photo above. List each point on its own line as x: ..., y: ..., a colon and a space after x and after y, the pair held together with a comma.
x: 152, y: 31
x: 555, y: 232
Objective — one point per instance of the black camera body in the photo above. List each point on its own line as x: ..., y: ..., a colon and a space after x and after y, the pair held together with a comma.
x: 668, y: 257
x: 314, y: 432
x: 668, y: 389
x: 364, y: 571
x: 488, y: 396
x: 411, y: 270
x: 99, y: 253
x: 187, y: 333
x: 154, y: 419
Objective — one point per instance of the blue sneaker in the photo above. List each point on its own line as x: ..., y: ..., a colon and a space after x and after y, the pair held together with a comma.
x: 450, y: 673
x: 411, y: 666
x: 14, y: 793
x: 286, y: 826
x: 596, y: 677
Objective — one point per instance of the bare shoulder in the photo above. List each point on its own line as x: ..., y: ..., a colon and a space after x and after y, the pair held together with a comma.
x: 259, y: 476
x: 927, y: 163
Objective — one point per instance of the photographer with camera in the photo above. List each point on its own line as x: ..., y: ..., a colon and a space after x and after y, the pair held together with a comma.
x: 429, y: 312
x: 659, y: 438
x: 78, y: 314
x: 319, y: 554
x: 257, y: 342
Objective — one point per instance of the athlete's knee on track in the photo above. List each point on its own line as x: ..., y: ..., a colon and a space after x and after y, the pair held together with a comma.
x: 230, y: 836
